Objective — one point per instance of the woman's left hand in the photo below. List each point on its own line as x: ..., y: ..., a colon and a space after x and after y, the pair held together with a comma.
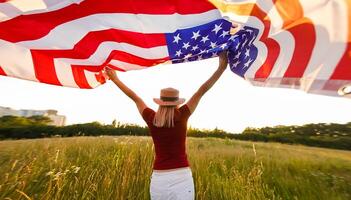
x: 111, y: 73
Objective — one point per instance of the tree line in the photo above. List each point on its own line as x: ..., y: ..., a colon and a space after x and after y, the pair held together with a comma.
x: 329, y: 135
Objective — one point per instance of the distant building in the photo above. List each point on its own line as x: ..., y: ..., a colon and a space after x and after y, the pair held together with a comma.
x: 57, y: 120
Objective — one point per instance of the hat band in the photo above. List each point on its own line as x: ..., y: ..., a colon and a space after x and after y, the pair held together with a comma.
x: 169, y: 98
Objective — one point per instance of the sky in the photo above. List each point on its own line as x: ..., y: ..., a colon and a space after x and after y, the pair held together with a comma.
x: 232, y: 104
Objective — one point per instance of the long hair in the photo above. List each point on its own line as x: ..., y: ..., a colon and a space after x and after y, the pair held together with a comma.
x: 164, y: 117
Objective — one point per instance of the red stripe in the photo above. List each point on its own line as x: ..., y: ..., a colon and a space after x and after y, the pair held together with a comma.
x: 79, y: 78
x: 44, y: 59
x: 130, y: 58
x: 2, y: 72
x: 124, y: 57
x: 273, y: 48
x: 305, y: 39
x: 44, y: 68
x: 100, y: 78
x: 265, y: 70
x: 343, y: 69
x: 88, y: 45
x: 16, y: 29
x: 304, y: 34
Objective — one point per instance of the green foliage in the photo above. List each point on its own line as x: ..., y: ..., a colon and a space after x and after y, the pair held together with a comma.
x: 14, y: 121
x: 336, y: 136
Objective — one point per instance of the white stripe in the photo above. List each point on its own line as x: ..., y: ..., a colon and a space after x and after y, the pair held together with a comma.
x: 103, y: 52
x: 66, y: 35
x: 91, y: 79
x: 64, y: 74
x: 273, y: 14
x: 15, y: 8
x: 126, y: 66
x: 16, y: 61
x: 331, y: 39
x: 286, y: 43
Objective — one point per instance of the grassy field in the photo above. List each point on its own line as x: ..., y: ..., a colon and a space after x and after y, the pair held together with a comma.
x: 120, y: 167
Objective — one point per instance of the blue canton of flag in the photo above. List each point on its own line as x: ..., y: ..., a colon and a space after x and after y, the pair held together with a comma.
x: 199, y: 42
x: 206, y: 41
x: 243, y: 52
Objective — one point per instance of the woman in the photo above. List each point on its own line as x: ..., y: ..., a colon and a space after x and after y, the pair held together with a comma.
x: 171, y: 177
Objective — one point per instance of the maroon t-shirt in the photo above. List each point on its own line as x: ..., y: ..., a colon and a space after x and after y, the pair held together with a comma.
x: 169, y: 142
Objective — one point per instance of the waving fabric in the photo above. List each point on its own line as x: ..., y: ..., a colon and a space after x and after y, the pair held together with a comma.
x: 302, y: 44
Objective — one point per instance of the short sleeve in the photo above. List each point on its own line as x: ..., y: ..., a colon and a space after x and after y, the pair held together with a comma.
x: 148, y: 115
x: 185, y: 112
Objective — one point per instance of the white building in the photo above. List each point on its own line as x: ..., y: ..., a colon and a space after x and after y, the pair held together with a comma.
x: 57, y: 120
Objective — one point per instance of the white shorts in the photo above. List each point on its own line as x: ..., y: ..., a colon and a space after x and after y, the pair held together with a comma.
x: 173, y: 185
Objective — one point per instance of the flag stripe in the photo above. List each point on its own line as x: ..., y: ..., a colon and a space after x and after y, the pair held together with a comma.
x: 343, y: 70
x: 124, y: 57
x: 128, y: 22
x: 126, y: 66
x: 265, y: 70
x: 16, y: 8
x: 79, y: 77
x: 104, y: 50
x: 44, y: 68
x: 305, y: 37
x: 90, y: 43
x: 2, y: 72
x: 64, y: 74
x: 100, y: 78
x: 16, y: 29
x: 90, y: 50
x: 16, y: 61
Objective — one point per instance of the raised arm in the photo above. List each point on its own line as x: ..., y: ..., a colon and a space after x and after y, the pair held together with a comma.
x: 130, y: 93
x: 194, y: 100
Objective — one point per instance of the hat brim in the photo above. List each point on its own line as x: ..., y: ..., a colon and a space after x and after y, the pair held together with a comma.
x: 169, y: 103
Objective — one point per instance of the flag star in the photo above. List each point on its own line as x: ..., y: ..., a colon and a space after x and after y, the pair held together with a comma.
x: 186, y: 45
x: 224, y: 33
x: 248, y: 63
x: 237, y: 46
x: 213, y: 45
x: 196, y: 35
x: 223, y: 46
x: 178, y: 53
x: 176, y: 39
x: 237, y: 56
x: 202, y: 51
x: 247, y: 53
x: 188, y: 56
x: 252, y: 40
x: 217, y: 28
x: 204, y: 39
x: 236, y: 63
x: 195, y: 48
x: 199, y: 57
x: 233, y: 37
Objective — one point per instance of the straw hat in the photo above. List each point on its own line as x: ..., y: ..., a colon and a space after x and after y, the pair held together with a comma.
x: 169, y: 97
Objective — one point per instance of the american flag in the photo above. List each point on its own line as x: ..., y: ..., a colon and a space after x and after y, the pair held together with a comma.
x: 69, y: 42
x: 302, y: 44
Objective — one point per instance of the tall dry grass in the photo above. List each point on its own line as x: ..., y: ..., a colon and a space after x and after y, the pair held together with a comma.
x: 120, y: 168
